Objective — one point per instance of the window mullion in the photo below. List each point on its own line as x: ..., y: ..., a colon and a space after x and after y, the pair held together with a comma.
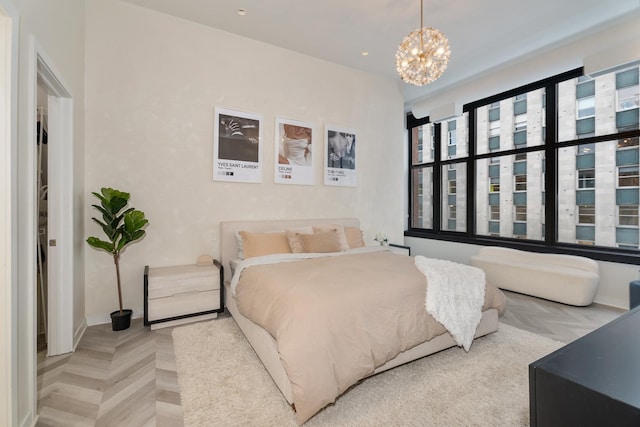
x: 551, y: 167
x: 471, y: 173
x: 437, y: 178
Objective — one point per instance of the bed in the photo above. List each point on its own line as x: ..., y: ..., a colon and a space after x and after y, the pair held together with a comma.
x: 263, y: 341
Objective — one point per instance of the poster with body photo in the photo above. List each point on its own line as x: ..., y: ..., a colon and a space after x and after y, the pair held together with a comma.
x: 340, y: 157
x: 293, y: 153
x: 237, y: 155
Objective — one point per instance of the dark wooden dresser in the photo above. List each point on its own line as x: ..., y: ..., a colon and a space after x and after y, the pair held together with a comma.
x: 593, y: 381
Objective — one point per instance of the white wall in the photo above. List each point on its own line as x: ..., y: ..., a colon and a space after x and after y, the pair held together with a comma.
x: 152, y: 84
x: 8, y: 136
x: 613, y: 289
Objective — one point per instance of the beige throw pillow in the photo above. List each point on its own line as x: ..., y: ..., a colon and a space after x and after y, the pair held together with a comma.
x: 259, y: 244
x: 354, y: 237
x: 338, y: 229
x: 320, y: 242
x: 295, y: 242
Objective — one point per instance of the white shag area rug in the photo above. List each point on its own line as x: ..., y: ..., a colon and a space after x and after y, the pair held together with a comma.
x: 223, y: 383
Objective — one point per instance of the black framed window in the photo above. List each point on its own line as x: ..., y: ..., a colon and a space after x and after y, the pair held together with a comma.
x: 552, y: 165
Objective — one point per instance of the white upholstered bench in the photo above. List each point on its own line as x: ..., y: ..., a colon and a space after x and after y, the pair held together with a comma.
x: 567, y: 279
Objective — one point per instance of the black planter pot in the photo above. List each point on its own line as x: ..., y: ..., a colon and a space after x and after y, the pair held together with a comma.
x: 121, y: 321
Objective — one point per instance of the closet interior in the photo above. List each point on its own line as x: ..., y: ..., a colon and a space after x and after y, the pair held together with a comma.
x: 41, y: 253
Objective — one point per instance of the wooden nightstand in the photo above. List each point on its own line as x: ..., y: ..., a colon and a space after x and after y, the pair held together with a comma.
x: 400, y: 249
x: 181, y: 294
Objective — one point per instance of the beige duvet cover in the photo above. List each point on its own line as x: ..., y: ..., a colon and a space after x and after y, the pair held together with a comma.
x: 336, y: 319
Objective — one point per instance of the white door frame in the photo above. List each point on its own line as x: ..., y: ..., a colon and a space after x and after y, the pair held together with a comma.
x: 60, y: 331
x: 8, y: 235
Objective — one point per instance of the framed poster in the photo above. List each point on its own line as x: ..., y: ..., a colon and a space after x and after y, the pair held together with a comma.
x: 237, y: 155
x: 293, y: 153
x: 339, y: 157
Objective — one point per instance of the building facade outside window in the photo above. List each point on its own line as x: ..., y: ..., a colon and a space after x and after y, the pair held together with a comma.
x: 589, y: 126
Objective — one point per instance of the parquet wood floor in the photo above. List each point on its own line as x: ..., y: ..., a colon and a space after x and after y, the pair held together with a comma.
x: 128, y: 378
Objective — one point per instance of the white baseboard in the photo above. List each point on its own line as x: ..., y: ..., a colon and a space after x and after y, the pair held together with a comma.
x: 77, y: 334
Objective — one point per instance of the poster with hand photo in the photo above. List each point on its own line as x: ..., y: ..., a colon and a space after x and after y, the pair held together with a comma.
x: 237, y: 155
x: 293, y: 153
x: 340, y: 157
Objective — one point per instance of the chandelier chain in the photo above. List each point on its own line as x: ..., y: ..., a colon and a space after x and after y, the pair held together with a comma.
x: 421, y: 25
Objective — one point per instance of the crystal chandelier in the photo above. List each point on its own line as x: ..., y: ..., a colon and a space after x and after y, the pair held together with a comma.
x: 423, y: 55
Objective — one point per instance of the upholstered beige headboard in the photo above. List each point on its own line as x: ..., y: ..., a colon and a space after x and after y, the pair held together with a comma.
x: 228, y: 230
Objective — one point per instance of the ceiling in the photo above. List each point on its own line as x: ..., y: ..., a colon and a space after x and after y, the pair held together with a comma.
x: 482, y: 34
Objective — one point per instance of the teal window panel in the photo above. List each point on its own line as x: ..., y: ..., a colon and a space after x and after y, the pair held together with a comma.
x: 494, y: 227
x: 451, y: 174
x: 451, y: 125
x: 451, y: 199
x: 586, y: 89
x: 587, y: 125
x: 585, y: 197
x: 627, y: 236
x: 494, y: 114
x: 585, y: 232
x: 627, y: 196
x: 626, y: 157
x: 520, y: 228
x: 451, y: 150
x: 451, y: 224
x: 494, y: 143
x: 627, y: 78
x: 494, y: 199
x: 519, y: 107
x: 586, y: 161
x: 520, y: 168
x: 494, y: 171
x: 520, y: 199
x: 627, y: 119
x: 520, y: 137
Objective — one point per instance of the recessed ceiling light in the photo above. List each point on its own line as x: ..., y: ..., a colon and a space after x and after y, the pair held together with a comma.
x: 365, y: 53
x: 242, y: 12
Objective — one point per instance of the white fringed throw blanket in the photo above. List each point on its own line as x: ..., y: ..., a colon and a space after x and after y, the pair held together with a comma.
x: 455, y: 294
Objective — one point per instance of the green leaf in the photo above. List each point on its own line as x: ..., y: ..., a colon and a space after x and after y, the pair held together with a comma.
x: 122, y: 243
x: 101, y: 209
x: 101, y: 224
x: 134, y: 220
x: 110, y: 193
x: 139, y: 234
x: 115, y: 222
x: 113, y: 201
x: 98, y: 195
x: 100, y: 244
x: 117, y: 203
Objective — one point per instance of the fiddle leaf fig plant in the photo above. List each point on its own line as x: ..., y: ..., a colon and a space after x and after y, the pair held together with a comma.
x: 121, y: 227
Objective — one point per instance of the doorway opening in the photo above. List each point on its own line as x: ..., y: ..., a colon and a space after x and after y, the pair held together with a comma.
x: 53, y: 263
